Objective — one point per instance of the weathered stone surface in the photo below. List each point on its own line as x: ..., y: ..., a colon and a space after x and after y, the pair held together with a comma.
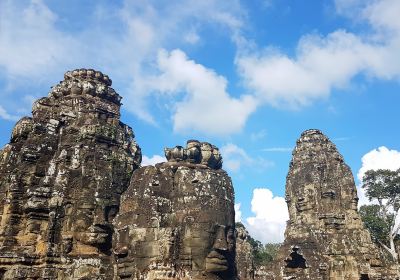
x: 176, y: 219
x: 62, y: 175
x: 203, y: 154
x: 74, y: 205
x: 325, y: 237
x: 244, y: 255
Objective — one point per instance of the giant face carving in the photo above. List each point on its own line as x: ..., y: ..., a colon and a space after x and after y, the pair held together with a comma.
x: 95, y: 199
x: 176, y: 220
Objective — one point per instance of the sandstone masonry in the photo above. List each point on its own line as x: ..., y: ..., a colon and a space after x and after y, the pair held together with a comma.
x: 325, y: 237
x: 62, y: 175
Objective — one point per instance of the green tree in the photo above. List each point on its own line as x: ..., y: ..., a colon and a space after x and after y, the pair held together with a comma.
x: 262, y: 254
x: 382, y: 186
x: 378, y: 227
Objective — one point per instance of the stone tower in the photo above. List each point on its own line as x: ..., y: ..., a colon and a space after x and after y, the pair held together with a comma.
x: 177, y: 219
x: 325, y: 237
x: 62, y: 175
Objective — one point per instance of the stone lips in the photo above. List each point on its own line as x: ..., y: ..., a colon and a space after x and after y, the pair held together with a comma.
x: 62, y: 176
x: 325, y: 237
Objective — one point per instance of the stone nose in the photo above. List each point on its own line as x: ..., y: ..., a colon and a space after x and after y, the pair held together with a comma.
x: 220, y: 242
x: 104, y: 215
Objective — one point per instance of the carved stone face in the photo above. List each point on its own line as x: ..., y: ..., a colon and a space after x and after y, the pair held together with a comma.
x: 306, y: 199
x: 189, y: 227
x: 209, y: 247
x: 209, y: 233
x: 93, y: 224
x: 91, y: 219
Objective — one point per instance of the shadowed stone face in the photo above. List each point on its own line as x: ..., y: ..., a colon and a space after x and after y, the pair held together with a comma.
x: 62, y: 177
x: 325, y: 238
x: 177, y: 221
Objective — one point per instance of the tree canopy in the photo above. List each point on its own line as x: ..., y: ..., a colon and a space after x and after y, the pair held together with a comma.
x: 262, y: 254
x: 375, y: 223
x: 382, y: 187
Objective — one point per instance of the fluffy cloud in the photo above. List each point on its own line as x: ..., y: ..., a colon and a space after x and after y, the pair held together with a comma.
x: 206, y: 102
x: 238, y: 213
x: 124, y: 41
x: 323, y: 63
x: 379, y: 13
x: 269, y: 223
x: 256, y: 136
x: 152, y: 160
x: 29, y: 41
x: 381, y: 158
x: 235, y: 157
x: 6, y: 116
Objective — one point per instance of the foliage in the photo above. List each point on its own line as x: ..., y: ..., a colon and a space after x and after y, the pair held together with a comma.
x: 262, y: 254
x: 382, y: 186
x: 375, y: 223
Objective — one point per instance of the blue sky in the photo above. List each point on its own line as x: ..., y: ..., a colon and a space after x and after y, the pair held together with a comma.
x: 247, y: 76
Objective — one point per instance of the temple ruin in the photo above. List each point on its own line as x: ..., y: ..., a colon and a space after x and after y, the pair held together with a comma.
x: 76, y: 204
x: 62, y: 175
x: 182, y: 227
x: 325, y: 237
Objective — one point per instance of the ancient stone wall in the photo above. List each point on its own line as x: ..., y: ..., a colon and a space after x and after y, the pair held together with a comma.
x: 62, y: 175
x: 325, y: 237
x: 244, y: 255
x: 177, y: 219
x: 74, y: 203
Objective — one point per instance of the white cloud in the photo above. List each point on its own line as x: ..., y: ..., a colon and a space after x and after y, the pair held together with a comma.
x: 36, y: 48
x: 269, y: 223
x: 192, y: 37
x: 323, y: 63
x: 6, y: 116
x: 238, y: 213
x: 235, y: 158
x: 206, y: 102
x: 256, y: 136
x: 381, y: 158
x: 152, y: 160
x: 29, y: 41
x: 381, y: 14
